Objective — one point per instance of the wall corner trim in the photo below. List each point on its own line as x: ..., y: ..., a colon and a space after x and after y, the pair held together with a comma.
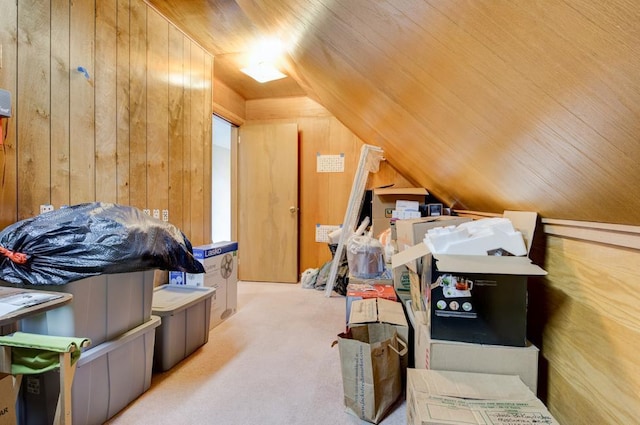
x: 606, y: 233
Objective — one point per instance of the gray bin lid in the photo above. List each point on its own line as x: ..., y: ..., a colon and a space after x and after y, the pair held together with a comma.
x: 170, y: 299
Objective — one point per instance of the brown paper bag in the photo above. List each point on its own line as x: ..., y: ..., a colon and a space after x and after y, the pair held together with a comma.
x: 371, y: 369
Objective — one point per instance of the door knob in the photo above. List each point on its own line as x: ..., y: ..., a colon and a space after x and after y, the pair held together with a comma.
x: 292, y: 209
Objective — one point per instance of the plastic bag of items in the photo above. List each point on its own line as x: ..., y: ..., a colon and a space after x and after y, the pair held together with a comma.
x: 89, y: 239
x: 365, y: 256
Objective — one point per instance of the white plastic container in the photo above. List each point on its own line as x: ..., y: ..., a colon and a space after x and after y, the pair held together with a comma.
x: 103, y: 307
x: 185, y: 313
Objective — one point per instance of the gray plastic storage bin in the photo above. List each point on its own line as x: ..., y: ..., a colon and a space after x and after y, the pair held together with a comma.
x: 185, y: 313
x: 108, y: 377
x: 103, y: 307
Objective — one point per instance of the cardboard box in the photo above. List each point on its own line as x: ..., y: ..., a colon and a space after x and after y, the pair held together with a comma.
x: 468, y: 357
x: 473, y: 298
x: 7, y: 400
x: 448, y: 397
x: 374, y: 281
x: 383, y: 202
x: 220, y: 261
x: 401, y: 279
x: 408, y: 265
x: 361, y: 291
x: 380, y: 310
x: 411, y: 232
x: 481, y: 299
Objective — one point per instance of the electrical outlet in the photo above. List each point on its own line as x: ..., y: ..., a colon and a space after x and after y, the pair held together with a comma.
x: 146, y: 211
x: 156, y: 214
x: 45, y: 208
x: 165, y: 215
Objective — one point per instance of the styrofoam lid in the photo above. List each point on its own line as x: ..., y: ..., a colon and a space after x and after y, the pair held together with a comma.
x: 488, y: 264
x: 169, y: 299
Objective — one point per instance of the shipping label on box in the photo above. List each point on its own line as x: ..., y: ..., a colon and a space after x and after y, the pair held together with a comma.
x: 438, y: 397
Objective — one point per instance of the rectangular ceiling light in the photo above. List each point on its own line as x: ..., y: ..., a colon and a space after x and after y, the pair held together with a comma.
x: 263, y: 72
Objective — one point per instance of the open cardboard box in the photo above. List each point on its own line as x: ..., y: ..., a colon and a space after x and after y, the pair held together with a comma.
x: 359, y: 290
x: 374, y: 310
x: 381, y: 310
x: 383, y: 202
x: 473, y: 298
x: 468, y: 357
x: 448, y: 397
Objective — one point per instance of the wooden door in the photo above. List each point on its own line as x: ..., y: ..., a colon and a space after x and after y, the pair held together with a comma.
x: 268, y: 203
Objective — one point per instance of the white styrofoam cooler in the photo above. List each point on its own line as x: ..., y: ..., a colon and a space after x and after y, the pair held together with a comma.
x: 103, y: 307
x: 108, y: 377
x: 185, y: 313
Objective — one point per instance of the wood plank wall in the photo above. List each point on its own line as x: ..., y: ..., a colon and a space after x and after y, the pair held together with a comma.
x: 323, y: 196
x: 584, y: 317
x: 134, y: 129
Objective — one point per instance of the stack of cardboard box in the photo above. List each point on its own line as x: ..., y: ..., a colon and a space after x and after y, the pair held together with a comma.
x: 468, y: 312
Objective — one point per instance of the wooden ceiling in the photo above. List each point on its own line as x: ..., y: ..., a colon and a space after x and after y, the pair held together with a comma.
x: 490, y: 105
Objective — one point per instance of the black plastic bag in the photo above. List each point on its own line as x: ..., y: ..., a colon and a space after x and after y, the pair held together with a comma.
x: 84, y: 240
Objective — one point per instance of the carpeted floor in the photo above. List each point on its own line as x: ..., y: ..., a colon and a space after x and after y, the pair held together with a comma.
x: 270, y: 363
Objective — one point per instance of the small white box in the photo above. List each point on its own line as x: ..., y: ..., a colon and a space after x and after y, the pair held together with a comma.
x: 402, y: 205
x: 220, y: 261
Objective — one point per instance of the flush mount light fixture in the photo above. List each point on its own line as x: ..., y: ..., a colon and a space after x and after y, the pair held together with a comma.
x: 263, y: 72
x: 262, y: 59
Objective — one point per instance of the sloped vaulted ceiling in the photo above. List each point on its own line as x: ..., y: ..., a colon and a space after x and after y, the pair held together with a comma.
x: 490, y: 105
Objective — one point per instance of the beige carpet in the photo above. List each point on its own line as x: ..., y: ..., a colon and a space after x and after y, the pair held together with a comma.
x: 270, y: 363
